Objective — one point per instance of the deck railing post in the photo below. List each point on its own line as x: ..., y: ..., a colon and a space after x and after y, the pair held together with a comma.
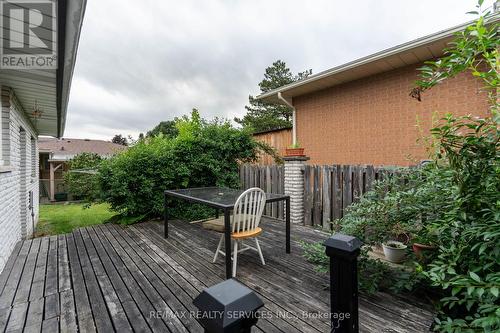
x: 343, y: 251
x: 228, y: 307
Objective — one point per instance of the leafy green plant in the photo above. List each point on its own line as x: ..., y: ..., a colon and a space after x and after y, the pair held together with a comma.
x: 468, y: 264
x: 204, y: 153
x: 81, y: 177
x: 467, y: 267
x: 295, y: 145
x: 452, y: 202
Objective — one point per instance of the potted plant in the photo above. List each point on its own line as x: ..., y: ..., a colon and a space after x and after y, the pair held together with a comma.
x: 294, y: 150
x: 423, y: 242
x: 394, y: 251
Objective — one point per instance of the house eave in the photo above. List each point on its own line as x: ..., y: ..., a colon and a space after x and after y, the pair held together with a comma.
x: 413, y: 52
x: 48, y: 89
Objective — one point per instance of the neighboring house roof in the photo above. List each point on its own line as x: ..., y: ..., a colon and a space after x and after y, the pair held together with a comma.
x: 65, y: 149
x: 50, y: 88
x: 416, y: 51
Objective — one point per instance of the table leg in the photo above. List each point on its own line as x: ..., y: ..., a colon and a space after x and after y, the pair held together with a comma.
x: 216, y: 213
x: 227, y: 242
x: 165, y: 216
x: 287, y: 219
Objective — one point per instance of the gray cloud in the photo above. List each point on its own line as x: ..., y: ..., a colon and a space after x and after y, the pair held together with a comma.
x: 141, y: 62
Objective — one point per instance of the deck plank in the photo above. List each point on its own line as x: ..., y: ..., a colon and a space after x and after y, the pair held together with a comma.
x: 140, y: 298
x: 37, y: 288
x: 83, y: 311
x: 51, y: 280
x: 118, y: 316
x: 114, y: 278
x: 150, y: 284
x: 24, y: 287
x: 97, y: 304
x: 9, y: 265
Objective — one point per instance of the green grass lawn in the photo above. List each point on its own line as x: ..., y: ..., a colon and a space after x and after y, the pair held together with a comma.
x: 60, y: 219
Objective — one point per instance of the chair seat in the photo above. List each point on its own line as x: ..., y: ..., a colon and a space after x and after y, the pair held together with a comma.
x: 218, y: 226
x: 246, y: 234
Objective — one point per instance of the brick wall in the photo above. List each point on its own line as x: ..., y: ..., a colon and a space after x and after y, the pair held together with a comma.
x: 373, y: 120
x: 15, y: 216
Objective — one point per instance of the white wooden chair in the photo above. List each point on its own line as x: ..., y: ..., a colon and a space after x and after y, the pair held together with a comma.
x: 244, y: 224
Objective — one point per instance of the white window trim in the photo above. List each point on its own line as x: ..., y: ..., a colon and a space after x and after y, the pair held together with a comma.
x: 4, y: 166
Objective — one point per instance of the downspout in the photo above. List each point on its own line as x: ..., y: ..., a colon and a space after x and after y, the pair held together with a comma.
x: 294, y: 122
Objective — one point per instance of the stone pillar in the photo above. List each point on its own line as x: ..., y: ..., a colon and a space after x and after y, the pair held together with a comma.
x: 294, y: 186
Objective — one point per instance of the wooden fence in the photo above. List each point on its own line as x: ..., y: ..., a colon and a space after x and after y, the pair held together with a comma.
x: 328, y: 189
x: 270, y: 178
x: 278, y: 139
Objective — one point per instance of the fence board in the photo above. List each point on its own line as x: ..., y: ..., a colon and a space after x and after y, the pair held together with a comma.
x: 328, y: 189
x: 308, y: 195
x: 274, y: 182
x: 268, y: 188
x: 327, y: 197
x: 370, y: 178
x: 346, y: 186
x: 357, y: 183
x: 317, y: 196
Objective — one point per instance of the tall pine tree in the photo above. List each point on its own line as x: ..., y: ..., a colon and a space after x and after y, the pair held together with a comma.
x: 263, y: 116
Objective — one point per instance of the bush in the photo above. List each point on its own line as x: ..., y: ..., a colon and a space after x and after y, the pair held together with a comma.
x: 81, y: 177
x: 400, y: 205
x: 468, y: 264
x: 202, y: 154
x: 455, y: 201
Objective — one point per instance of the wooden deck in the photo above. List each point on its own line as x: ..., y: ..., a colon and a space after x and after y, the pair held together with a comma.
x: 111, y: 278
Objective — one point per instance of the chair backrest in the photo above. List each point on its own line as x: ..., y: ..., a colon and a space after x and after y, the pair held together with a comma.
x: 248, y: 210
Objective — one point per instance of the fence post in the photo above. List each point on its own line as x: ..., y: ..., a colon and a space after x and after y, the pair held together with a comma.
x: 343, y: 251
x: 294, y: 186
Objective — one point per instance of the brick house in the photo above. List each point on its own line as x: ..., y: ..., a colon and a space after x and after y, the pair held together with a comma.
x: 361, y: 112
x: 33, y: 102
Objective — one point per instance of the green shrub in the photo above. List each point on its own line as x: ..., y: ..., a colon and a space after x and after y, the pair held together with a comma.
x: 202, y: 154
x: 81, y: 177
x: 455, y: 201
x: 468, y: 264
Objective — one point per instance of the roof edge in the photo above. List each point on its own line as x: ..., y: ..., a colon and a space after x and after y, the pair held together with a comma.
x: 70, y: 26
x: 437, y: 36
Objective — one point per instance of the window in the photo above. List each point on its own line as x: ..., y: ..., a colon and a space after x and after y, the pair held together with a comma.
x: 5, y: 105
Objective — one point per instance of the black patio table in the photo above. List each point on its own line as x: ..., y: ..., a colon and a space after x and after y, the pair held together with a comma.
x: 223, y: 199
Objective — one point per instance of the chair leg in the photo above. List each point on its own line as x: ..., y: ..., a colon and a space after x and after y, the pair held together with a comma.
x: 235, y: 257
x: 260, y: 251
x: 218, y: 248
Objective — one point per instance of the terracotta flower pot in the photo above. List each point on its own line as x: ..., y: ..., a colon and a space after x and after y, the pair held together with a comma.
x: 294, y: 152
x: 419, y: 249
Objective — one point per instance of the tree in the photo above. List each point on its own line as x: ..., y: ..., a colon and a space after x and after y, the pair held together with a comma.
x: 167, y: 128
x: 262, y: 116
x: 119, y: 139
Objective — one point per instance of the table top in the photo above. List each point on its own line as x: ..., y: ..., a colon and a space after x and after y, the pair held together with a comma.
x: 218, y: 197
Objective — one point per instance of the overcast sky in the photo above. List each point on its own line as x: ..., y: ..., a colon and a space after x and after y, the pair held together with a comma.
x: 140, y: 62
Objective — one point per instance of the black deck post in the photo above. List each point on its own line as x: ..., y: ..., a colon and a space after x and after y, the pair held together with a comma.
x: 287, y: 221
x: 343, y: 251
